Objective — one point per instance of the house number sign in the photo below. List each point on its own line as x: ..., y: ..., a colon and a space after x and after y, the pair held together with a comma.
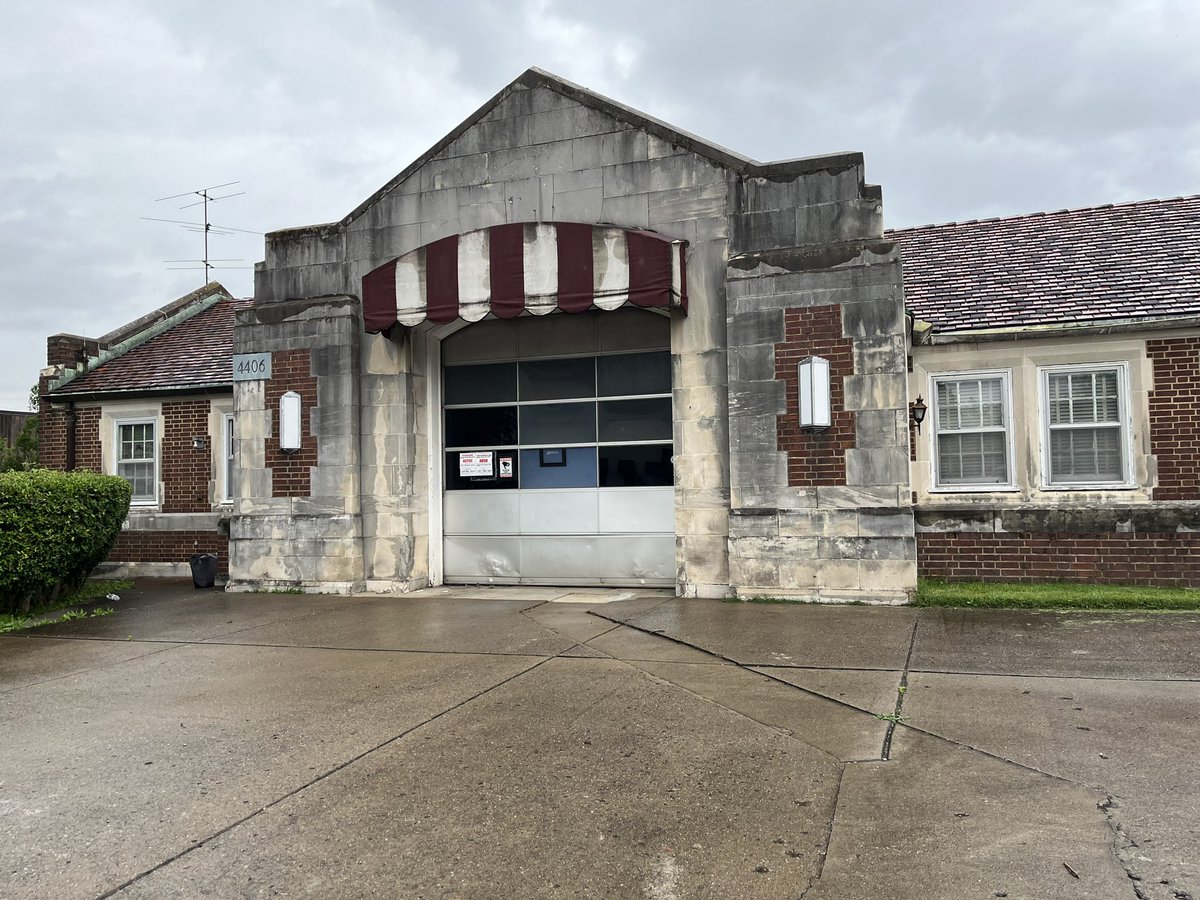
x: 251, y: 366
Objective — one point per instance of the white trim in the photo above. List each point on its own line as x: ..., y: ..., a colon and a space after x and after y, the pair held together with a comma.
x: 1124, y: 422
x: 228, y: 456
x: 1005, y: 376
x: 433, y: 406
x: 152, y: 421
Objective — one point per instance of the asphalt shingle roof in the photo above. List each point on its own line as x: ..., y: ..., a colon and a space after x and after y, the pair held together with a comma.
x: 1105, y: 263
x: 197, y: 352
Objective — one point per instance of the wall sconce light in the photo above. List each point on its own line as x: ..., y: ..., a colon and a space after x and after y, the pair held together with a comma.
x: 815, y: 413
x: 916, y: 412
x: 198, y: 443
x: 289, y: 422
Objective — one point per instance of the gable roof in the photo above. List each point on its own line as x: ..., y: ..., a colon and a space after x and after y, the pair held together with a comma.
x: 1103, y: 264
x: 193, y: 352
x: 539, y: 78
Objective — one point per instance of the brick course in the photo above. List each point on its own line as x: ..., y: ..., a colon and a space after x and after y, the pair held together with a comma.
x: 815, y: 458
x: 1175, y: 416
x: 170, y: 547
x: 186, y: 472
x: 291, y: 370
x: 1153, y: 559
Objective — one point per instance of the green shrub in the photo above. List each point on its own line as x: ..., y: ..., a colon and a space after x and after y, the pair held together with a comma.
x: 54, y: 528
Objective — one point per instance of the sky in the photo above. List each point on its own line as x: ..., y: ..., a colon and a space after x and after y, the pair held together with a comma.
x: 962, y: 110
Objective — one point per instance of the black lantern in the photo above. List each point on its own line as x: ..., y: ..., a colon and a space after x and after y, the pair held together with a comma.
x: 916, y: 412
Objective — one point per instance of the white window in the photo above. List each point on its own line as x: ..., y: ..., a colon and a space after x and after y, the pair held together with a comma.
x: 1085, y: 441
x: 136, y: 458
x: 972, y: 431
x: 228, y: 457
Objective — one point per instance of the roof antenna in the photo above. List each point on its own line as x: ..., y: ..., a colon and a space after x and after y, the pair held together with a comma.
x: 206, y: 227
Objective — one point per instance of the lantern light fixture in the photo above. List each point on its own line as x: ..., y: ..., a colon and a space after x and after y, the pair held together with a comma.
x: 815, y: 411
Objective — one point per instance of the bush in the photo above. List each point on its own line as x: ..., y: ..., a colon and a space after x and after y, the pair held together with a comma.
x: 54, y: 528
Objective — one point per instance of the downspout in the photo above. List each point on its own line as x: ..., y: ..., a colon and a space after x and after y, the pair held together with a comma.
x: 70, y: 466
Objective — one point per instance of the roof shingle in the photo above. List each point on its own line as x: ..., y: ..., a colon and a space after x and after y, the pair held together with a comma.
x: 1082, y: 266
x: 196, y: 353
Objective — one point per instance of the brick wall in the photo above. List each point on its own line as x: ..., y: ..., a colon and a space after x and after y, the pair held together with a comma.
x: 1175, y: 416
x: 88, y: 438
x: 186, y: 471
x: 170, y: 546
x: 815, y: 458
x: 1153, y: 558
x: 291, y: 370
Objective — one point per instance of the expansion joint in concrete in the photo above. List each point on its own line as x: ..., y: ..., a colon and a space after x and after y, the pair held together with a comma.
x: 901, y: 689
x: 823, y: 853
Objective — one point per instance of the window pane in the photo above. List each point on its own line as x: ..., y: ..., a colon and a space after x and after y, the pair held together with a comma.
x: 457, y: 482
x: 579, y: 470
x: 558, y: 423
x: 140, y: 476
x: 493, y: 383
x: 1083, y: 397
x: 635, y: 420
x: 979, y: 458
x: 493, y: 426
x: 645, y: 465
x: 634, y: 373
x: 558, y: 379
x: 1086, y: 455
x: 970, y: 404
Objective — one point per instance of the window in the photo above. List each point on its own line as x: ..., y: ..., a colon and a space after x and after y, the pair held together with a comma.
x: 972, y: 420
x: 229, y: 460
x: 1086, y: 439
x: 136, y: 459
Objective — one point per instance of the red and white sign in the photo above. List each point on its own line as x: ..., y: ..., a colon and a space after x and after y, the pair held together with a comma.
x: 475, y: 464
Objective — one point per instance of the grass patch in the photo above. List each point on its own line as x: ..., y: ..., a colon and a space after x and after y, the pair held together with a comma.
x: 90, y: 592
x: 1055, y: 595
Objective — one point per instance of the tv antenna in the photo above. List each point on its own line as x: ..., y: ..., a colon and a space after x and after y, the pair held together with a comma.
x: 205, y: 227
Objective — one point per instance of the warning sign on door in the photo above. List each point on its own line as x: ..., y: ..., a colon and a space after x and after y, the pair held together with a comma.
x: 506, y: 468
x: 475, y: 464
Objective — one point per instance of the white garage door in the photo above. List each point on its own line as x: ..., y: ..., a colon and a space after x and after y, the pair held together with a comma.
x: 557, y: 451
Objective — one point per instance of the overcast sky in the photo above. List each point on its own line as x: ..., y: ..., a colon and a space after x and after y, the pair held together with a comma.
x: 963, y: 110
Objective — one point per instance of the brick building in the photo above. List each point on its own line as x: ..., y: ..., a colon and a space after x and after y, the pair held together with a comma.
x: 571, y: 344
x: 152, y: 402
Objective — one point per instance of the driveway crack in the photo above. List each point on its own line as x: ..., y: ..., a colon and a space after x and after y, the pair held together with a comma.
x: 901, y: 689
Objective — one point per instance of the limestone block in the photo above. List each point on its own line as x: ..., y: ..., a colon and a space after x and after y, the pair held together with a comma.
x: 698, y: 403
x: 875, y: 391
x: 755, y: 434
x: 868, y: 548
x: 885, y: 354
x: 838, y: 496
x: 442, y: 228
x: 672, y: 173
x: 579, y: 206
x: 578, y: 121
x: 580, y: 180
x: 701, y: 471
x: 458, y: 171
x: 757, y: 398
x: 763, y: 524
x: 426, y: 206
x: 696, y: 522
x: 886, y: 522
x: 531, y: 161
x: 699, y: 202
x: 754, y: 572
x: 497, y: 134
x: 839, y: 575
x: 781, y: 497
x: 712, y: 229
x: 335, y: 481
x: 705, y: 367
x: 616, y: 148
x: 845, y: 220
x: 884, y: 576
x: 753, y: 363
x: 752, y: 470
x: 761, y: 326
x: 324, y: 505
x: 656, y: 148
x: 818, y: 523
x: 887, y: 428
x: 482, y: 215
x: 764, y: 230
x: 876, y: 466
x: 703, y: 558
x: 873, y: 318
x: 627, y: 211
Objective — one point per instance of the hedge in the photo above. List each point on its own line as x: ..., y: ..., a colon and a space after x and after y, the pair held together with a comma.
x: 54, y: 528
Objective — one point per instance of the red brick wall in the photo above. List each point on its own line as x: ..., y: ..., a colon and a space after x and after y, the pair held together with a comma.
x: 186, y: 471
x: 170, y: 546
x: 88, y: 438
x: 291, y: 370
x: 1162, y: 559
x: 1175, y: 416
x: 816, y: 458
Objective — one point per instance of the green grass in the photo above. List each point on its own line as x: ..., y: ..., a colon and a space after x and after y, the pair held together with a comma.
x: 90, y: 592
x: 1056, y: 595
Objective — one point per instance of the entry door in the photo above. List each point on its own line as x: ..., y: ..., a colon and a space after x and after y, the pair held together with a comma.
x: 557, y: 463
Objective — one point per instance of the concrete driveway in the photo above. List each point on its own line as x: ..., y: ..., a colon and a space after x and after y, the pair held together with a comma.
x: 541, y: 742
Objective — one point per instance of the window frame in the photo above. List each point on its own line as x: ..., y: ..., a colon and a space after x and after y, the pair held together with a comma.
x: 228, y: 456
x: 1124, y: 423
x: 1006, y: 381
x: 118, y: 424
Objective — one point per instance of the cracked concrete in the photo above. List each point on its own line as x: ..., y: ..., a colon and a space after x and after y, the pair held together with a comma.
x: 549, y: 742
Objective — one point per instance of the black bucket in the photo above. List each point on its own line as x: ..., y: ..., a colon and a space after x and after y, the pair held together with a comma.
x: 204, y: 569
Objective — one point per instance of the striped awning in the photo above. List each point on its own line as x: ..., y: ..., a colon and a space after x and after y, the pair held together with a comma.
x: 536, y: 267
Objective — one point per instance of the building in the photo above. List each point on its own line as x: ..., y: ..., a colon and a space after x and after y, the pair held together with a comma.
x: 1060, y: 357
x: 152, y: 402
x: 571, y: 344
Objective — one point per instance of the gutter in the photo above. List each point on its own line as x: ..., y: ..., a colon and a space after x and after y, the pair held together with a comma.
x: 211, y: 388
x: 930, y: 336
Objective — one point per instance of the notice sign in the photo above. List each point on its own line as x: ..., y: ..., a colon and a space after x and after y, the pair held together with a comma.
x: 506, y: 467
x: 475, y: 464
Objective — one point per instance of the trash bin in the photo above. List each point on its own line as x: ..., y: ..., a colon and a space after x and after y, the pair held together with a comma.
x: 204, y: 569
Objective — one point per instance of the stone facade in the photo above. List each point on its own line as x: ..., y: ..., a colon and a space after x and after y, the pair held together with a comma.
x: 762, y: 241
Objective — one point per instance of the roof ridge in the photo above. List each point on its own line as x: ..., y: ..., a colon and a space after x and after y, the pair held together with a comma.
x: 1152, y: 201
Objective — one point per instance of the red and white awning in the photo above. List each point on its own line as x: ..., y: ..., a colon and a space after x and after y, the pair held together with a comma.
x: 536, y: 267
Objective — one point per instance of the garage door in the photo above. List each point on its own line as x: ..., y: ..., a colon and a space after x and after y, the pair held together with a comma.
x: 557, y: 451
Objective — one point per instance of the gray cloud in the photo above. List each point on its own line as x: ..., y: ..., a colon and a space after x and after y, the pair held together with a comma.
x: 962, y: 111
